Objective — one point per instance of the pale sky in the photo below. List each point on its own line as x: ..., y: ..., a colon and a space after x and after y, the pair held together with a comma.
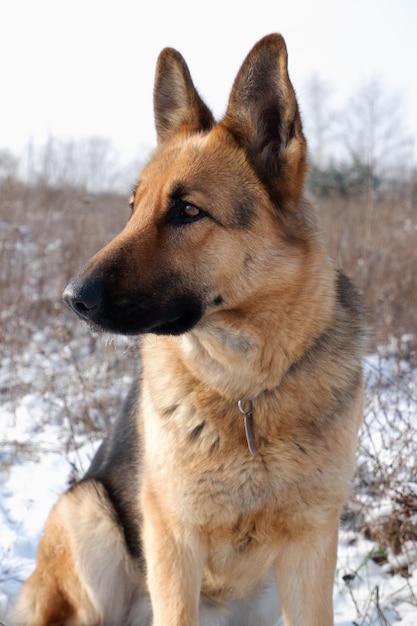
x: 75, y: 68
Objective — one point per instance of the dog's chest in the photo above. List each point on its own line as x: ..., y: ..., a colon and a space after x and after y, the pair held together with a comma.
x: 197, y: 455
x: 209, y: 475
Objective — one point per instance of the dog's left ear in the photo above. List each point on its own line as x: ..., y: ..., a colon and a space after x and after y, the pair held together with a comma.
x: 177, y: 104
x: 263, y: 117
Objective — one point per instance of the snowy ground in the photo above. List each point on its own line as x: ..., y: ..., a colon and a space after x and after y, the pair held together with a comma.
x: 56, y: 399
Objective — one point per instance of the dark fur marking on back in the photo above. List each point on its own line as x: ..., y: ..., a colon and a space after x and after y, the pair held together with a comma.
x: 341, y: 340
x: 114, y: 464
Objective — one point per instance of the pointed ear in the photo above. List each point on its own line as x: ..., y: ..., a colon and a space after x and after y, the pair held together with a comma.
x: 177, y: 104
x: 263, y: 116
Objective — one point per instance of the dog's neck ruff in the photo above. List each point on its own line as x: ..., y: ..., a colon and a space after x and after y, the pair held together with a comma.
x: 246, y: 406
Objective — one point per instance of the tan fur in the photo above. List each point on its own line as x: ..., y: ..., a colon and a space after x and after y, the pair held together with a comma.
x: 278, y: 329
x: 83, y: 574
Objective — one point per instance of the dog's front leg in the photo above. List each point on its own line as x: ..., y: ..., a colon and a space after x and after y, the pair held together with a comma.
x: 174, y: 561
x: 305, y: 576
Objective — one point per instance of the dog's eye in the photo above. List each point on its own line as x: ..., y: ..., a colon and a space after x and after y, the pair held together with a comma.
x: 182, y: 212
x: 190, y: 212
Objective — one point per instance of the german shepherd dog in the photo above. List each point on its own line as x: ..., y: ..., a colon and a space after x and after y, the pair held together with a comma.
x: 223, y: 479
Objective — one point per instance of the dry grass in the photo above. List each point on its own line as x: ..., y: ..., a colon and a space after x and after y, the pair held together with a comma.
x: 46, y: 235
x: 375, y: 242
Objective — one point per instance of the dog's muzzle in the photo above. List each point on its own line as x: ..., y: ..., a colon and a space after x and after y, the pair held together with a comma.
x: 164, y: 309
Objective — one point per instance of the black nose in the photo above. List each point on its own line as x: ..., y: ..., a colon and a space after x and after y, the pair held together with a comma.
x: 83, y: 296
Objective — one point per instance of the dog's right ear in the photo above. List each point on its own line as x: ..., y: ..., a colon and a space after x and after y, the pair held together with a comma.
x: 177, y: 104
x: 263, y: 117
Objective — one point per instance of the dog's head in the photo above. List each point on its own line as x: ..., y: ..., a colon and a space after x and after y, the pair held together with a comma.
x: 215, y: 212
